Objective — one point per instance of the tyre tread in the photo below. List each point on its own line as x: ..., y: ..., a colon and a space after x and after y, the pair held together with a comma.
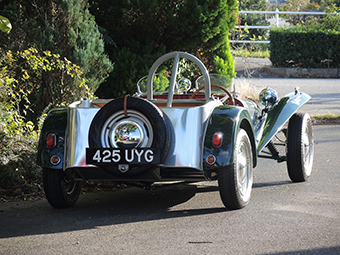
x: 295, y: 164
x: 227, y: 182
x: 52, y: 181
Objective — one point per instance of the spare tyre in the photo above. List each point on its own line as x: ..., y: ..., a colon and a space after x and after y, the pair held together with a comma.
x: 128, y: 123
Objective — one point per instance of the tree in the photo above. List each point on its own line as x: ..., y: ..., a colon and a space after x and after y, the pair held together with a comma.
x: 331, y: 21
x: 144, y: 30
x: 254, y: 19
x: 298, y: 6
x: 328, y: 3
x: 65, y: 28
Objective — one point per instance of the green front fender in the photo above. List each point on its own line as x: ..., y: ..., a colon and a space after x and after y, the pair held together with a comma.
x: 279, y: 114
x: 228, y: 120
x: 55, y: 123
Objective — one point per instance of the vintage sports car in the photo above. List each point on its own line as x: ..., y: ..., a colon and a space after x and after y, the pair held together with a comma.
x: 172, y: 131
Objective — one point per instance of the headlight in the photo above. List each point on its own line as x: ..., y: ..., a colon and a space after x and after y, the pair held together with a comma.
x: 268, y: 97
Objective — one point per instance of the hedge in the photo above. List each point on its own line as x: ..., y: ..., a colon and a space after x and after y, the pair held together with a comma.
x: 305, y: 47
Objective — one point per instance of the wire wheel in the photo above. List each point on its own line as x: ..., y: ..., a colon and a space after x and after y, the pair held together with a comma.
x: 236, y: 180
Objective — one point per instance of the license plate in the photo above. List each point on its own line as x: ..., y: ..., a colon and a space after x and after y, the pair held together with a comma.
x: 109, y: 156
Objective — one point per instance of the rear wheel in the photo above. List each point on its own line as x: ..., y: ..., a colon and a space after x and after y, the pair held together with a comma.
x: 61, y: 190
x: 235, y: 181
x: 300, y: 147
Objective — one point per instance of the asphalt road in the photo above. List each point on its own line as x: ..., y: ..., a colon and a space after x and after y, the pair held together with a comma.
x: 325, y: 93
x: 251, y: 67
x: 282, y: 217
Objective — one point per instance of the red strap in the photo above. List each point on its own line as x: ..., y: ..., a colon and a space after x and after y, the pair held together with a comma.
x: 125, y: 105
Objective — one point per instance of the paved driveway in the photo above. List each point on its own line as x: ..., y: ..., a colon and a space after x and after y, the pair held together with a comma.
x: 282, y: 217
x: 325, y: 93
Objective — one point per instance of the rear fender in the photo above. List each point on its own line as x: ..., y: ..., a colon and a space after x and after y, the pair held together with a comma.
x: 55, y: 123
x: 228, y: 120
x: 279, y: 114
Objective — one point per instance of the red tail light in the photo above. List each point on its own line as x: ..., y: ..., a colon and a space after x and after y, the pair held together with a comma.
x: 217, y: 139
x: 51, y: 141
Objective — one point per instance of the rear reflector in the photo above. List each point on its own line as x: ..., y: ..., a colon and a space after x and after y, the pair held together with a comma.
x: 211, y: 159
x: 217, y: 139
x: 51, y: 141
x: 55, y: 160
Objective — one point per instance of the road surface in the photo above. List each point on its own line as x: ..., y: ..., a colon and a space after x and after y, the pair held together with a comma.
x: 325, y: 93
x: 282, y: 217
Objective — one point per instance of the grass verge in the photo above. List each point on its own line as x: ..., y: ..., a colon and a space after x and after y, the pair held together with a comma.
x: 329, y: 118
x: 250, y: 53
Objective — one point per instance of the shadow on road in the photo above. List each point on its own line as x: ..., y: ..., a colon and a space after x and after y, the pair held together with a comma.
x: 100, y: 209
x: 267, y: 184
x: 105, y: 208
x: 328, y: 250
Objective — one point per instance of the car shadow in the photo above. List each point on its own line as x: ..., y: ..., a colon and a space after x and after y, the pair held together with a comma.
x: 101, y: 209
x: 268, y: 184
x: 105, y: 208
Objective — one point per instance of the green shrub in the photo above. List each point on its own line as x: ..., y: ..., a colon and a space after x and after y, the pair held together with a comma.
x: 18, y: 135
x: 311, y: 46
x: 224, y: 62
x: 305, y: 46
x: 21, y: 94
x: 18, y: 166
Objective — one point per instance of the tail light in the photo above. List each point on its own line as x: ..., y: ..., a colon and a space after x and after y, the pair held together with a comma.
x: 51, y: 141
x: 217, y: 139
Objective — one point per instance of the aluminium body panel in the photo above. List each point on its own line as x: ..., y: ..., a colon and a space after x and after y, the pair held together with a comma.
x: 189, y: 129
x: 188, y: 124
x: 79, y: 121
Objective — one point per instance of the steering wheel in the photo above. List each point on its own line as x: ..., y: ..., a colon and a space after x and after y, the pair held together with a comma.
x: 176, y: 56
x: 230, y: 98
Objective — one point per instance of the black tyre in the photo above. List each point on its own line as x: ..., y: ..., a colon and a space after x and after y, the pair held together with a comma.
x: 300, y: 147
x: 61, y: 190
x: 236, y: 180
x: 153, y: 130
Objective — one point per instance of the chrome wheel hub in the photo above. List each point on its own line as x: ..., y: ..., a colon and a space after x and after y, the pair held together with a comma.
x: 134, y: 131
x: 127, y: 133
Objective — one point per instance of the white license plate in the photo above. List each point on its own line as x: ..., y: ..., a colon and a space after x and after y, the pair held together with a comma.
x: 109, y: 156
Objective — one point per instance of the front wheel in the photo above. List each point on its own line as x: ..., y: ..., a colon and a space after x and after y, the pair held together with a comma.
x: 235, y: 181
x: 61, y: 189
x: 300, y: 147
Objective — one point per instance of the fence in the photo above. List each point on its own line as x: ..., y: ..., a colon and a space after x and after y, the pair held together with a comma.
x: 277, y: 13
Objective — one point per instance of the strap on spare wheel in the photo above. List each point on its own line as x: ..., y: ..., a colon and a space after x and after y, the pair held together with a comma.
x: 125, y: 106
